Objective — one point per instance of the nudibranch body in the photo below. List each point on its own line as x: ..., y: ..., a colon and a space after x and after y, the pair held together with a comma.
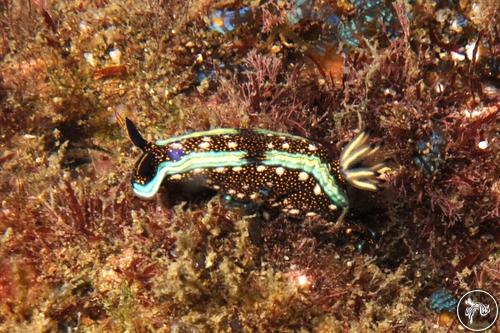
x: 288, y: 172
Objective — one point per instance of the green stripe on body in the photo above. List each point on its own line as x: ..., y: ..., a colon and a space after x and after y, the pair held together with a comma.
x: 312, y: 165
x: 264, y: 131
x: 223, y: 131
x: 217, y: 131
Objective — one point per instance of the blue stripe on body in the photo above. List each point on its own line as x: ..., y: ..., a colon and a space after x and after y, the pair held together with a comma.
x: 187, y: 163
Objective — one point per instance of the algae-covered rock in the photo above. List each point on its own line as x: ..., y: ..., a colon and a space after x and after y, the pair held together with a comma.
x: 80, y: 253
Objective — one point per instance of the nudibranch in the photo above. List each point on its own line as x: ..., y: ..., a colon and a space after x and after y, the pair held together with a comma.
x: 293, y: 174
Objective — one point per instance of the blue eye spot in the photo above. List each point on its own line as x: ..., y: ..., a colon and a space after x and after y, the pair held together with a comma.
x: 175, y: 154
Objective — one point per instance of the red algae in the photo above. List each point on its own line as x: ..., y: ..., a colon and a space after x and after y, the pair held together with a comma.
x: 80, y: 253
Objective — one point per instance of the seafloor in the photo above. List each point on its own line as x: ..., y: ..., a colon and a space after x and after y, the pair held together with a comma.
x: 80, y: 253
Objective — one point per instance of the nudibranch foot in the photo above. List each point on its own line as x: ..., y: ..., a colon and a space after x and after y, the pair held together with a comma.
x: 249, y: 207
